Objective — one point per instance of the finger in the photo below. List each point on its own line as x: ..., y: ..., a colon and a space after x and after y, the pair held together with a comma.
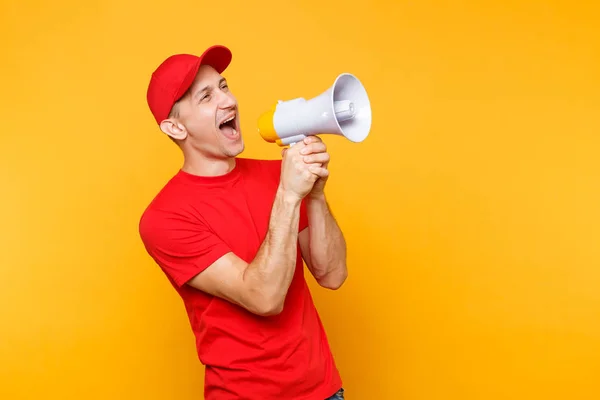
x: 297, y: 147
x: 320, y: 158
x: 317, y: 147
x: 321, y: 172
x: 310, y: 176
x: 312, y: 139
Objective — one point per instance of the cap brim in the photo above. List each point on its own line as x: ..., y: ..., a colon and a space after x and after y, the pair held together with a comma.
x: 219, y: 57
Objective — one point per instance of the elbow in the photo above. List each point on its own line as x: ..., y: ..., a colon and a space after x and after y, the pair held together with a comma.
x: 268, y: 306
x: 334, y: 281
x: 271, y: 310
x: 332, y: 285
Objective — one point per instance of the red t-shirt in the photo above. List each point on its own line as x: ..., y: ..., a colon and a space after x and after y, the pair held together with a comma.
x: 191, y: 223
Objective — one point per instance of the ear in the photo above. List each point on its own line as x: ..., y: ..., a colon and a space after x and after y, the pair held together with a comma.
x: 173, y: 128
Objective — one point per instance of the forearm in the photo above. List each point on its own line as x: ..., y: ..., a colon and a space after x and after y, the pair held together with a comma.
x: 270, y: 273
x: 327, y: 244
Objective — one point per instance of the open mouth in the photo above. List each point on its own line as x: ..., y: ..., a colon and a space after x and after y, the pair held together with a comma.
x: 229, y: 127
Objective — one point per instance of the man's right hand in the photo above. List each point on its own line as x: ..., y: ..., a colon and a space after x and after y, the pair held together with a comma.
x: 297, y: 177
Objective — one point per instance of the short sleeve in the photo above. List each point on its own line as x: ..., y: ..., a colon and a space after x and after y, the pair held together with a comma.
x: 181, y: 247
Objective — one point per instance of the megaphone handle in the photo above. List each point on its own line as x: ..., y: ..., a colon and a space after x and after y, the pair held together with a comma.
x: 292, y: 140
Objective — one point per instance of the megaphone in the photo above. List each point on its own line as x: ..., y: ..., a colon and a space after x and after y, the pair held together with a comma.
x: 343, y: 109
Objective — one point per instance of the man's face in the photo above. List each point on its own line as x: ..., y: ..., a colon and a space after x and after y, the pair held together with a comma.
x: 210, y: 115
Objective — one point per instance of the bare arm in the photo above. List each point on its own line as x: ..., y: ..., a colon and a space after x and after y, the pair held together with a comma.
x: 262, y: 285
x: 323, y: 245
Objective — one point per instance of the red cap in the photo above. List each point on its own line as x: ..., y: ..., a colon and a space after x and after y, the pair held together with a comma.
x: 173, y: 77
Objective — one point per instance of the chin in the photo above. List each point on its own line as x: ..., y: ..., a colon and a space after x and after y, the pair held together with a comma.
x: 234, y: 149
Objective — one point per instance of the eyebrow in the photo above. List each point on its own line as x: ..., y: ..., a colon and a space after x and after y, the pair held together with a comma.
x: 208, y: 87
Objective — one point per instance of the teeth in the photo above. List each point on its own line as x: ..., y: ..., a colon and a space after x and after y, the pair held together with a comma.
x: 227, y: 120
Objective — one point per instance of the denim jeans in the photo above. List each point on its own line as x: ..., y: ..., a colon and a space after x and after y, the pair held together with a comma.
x: 339, y: 395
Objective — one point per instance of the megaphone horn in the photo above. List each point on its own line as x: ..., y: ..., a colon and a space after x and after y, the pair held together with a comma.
x: 343, y: 109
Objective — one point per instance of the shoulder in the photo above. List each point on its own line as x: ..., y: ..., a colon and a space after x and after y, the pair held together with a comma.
x: 166, y: 211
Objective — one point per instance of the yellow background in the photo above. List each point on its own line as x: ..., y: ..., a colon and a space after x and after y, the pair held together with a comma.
x: 471, y: 212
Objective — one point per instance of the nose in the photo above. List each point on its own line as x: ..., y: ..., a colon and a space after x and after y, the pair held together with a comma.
x: 226, y: 100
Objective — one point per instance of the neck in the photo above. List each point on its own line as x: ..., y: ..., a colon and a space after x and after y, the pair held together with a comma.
x: 208, y: 167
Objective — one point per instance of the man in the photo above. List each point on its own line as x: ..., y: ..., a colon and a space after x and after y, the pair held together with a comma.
x: 231, y: 235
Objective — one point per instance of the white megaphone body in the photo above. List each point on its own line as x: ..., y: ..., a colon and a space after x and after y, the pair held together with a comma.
x: 343, y: 109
